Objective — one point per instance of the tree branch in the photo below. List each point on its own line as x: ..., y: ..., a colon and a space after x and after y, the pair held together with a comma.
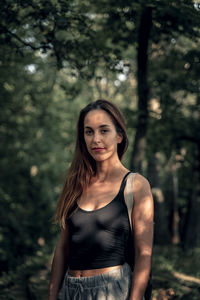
x: 45, y: 46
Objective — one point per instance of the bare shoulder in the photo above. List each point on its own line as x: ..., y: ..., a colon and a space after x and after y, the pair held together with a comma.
x: 142, y: 191
x: 143, y: 200
x: 140, y: 183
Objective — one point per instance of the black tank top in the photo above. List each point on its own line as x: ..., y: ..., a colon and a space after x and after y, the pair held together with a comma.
x: 99, y: 238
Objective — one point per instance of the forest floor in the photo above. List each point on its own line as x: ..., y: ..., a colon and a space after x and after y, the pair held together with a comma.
x: 175, y: 274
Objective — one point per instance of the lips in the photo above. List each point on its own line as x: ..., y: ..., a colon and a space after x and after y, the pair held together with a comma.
x: 97, y: 149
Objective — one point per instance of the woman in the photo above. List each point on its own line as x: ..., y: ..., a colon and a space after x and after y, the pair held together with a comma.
x: 90, y: 254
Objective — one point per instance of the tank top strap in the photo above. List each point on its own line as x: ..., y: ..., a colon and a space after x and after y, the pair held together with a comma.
x: 123, y: 184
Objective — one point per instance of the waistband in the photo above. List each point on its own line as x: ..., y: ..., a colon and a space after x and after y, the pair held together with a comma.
x: 98, y: 280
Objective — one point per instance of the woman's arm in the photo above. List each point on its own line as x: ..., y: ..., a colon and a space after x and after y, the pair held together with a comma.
x: 142, y: 218
x: 59, y: 264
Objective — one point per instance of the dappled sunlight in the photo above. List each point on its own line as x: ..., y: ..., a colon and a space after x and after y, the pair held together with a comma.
x: 185, y: 277
x: 55, y: 58
x: 171, y: 274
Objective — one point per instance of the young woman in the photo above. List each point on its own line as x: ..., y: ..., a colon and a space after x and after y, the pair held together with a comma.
x: 89, y: 259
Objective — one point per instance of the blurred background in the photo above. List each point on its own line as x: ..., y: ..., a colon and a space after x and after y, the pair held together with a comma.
x: 57, y: 56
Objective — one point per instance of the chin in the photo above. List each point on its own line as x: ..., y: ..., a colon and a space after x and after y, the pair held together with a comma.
x: 98, y: 158
x: 101, y: 158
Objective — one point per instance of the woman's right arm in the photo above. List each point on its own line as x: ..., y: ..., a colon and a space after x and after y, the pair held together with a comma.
x: 59, y: 264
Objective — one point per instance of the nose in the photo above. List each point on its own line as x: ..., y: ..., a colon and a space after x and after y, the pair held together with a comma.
x: 96, y: 137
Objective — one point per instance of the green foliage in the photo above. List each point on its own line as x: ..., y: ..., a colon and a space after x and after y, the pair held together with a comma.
x: 23, y: 283
x: 175, y: 273
x: 57, y: 56
x: 32, y: 154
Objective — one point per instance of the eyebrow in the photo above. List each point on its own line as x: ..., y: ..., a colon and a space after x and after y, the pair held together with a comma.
x: 101, y: 126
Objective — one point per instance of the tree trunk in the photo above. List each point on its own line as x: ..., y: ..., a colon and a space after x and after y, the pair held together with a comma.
x: 192, y: 226
x: 172, y: 196
x: 139, y: 144
x: 161, y: 232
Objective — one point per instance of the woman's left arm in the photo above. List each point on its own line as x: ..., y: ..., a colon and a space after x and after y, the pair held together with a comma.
x: 142, y: 220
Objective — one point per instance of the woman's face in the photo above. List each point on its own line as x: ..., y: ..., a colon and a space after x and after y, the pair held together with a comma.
x: 100, y: 135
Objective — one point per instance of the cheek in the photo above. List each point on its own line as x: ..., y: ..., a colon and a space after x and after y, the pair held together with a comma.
x: 87, y: 141
x: 112, y: 142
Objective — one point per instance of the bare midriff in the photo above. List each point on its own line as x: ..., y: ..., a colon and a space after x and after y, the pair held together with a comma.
x: 93, y: 272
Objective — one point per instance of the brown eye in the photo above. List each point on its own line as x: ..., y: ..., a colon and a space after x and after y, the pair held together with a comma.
x: 88, y: 132
x: 103, y: 131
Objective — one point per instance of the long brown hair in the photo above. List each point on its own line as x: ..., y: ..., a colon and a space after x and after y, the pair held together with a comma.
x: 83, y: 166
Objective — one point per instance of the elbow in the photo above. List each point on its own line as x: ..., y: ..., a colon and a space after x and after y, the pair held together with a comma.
x: 144, y: 254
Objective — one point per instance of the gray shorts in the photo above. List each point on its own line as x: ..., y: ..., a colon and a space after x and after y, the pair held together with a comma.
x: 112, y: 285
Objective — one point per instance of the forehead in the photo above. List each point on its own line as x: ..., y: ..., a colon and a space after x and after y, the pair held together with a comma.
x: 97, y: 117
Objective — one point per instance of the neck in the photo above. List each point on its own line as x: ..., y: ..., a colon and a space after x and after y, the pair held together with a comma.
x: 107, y: 169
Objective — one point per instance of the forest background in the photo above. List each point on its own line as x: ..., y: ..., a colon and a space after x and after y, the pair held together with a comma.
x: 57, y: 56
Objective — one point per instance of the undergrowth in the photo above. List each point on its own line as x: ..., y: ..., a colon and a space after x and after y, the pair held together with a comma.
x: 176, y: 275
